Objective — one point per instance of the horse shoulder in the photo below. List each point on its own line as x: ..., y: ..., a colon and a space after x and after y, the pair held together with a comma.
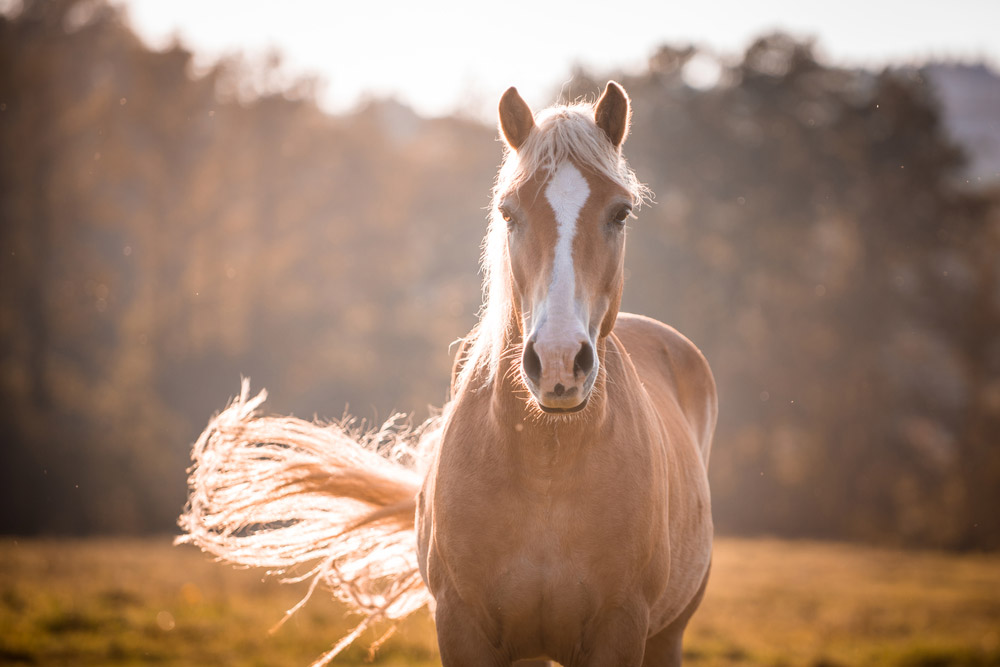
x: 668, y: 363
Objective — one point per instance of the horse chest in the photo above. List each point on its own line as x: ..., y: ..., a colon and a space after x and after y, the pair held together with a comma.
x: 538, y: 591
x: 538, y: 559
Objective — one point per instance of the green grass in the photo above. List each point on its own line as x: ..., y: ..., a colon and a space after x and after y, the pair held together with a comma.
x: 145, y: 602
x: 774, y: 602
x: 770, y: 602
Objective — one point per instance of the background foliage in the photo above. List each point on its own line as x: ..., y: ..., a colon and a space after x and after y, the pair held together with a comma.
x: 165, y: 232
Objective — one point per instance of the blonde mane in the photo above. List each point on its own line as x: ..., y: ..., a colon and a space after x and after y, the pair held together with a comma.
x: 561, y: 133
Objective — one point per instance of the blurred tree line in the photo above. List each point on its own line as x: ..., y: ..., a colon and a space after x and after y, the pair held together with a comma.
x: 165, y: 232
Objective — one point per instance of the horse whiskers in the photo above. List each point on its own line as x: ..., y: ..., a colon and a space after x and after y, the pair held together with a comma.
x: 603, y: 381
x: 513, y: 375
x: 512, y: 357
x: 512, y: 353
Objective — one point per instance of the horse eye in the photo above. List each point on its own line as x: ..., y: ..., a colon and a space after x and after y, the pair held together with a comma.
x: 507, y: 217
x: 622, y: 215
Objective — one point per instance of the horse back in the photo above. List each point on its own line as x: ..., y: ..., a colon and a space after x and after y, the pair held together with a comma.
x: 673, y: 369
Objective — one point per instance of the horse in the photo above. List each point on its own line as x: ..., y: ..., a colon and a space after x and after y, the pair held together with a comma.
x: 558, y: 508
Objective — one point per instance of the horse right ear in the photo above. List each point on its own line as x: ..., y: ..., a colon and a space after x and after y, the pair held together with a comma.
x: 516, y: 119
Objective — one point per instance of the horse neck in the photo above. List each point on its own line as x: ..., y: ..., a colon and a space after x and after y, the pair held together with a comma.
x: 492, y: 420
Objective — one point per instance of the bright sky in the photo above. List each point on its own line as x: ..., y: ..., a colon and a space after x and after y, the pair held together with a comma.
x: 443, y: 55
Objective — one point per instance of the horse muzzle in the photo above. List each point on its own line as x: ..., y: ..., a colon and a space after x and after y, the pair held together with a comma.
x: 559, y: 375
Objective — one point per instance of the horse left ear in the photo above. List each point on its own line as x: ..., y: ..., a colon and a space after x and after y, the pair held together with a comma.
x: 612, y: 113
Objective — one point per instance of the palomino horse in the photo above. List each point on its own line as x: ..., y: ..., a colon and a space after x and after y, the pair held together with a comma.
x: 564, y: 510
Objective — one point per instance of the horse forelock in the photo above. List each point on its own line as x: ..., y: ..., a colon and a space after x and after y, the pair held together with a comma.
x: 562, y: 133
x: 566, y: 132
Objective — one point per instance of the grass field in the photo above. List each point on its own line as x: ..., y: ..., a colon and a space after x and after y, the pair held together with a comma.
x: 770, y: 602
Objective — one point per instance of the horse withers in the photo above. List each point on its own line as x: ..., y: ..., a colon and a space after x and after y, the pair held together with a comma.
x: 564, y: 509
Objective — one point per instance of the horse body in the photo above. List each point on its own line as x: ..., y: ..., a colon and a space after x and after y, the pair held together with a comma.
x: 575, y: 531
x: 574, y: 540
x: 564, y: 510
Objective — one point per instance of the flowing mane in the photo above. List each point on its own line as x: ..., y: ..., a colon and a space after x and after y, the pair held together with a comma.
x: 562, y: 132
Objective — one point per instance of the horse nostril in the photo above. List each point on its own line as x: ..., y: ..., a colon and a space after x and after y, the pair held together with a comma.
x: 584, y: 361
x: 531, y: 363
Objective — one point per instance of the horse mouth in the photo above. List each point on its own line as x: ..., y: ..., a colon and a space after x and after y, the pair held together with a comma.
x: 561, y: 401
x: 564, y: 411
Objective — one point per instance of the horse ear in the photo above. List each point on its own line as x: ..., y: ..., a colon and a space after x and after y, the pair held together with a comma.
x: 612, y: 113
x: 516, y: 119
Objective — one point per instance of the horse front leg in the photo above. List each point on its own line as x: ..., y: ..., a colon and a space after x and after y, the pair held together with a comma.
x: 664, y: 649
x: 462, y: 641
x: 618, y: 639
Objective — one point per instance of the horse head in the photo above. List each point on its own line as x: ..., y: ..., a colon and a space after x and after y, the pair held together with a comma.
x: 564, y: 196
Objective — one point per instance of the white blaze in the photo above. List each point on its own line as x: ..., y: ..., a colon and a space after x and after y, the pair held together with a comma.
x: 566, y: 193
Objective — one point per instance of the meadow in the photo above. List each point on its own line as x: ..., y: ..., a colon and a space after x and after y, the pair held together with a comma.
x: 770, y: 602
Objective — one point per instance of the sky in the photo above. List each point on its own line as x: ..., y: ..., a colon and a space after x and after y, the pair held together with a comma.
x: 443, y: 56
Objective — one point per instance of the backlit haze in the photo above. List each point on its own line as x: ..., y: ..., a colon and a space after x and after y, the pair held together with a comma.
x: 444, y: 56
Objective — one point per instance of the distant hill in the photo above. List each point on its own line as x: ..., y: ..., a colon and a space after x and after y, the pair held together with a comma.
x: 970, y: 98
